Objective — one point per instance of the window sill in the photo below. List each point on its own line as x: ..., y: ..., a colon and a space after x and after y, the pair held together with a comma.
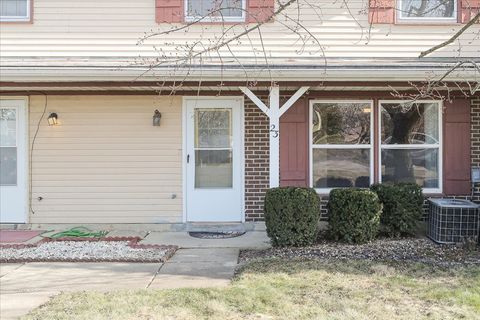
x: 324, y: 194
x: 198, y: 20
x: 427, y: 23
x: 229, y: 23
x: 20, y: 21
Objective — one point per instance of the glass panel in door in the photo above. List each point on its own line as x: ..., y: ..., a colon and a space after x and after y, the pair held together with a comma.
x: 8, y: 147
x: 213, y: 148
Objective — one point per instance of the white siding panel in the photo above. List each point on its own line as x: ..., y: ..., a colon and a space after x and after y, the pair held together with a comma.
x: 111, y: 28
x: 105, y: 162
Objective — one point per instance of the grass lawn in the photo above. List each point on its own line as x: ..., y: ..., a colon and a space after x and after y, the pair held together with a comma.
x: 286, y: 289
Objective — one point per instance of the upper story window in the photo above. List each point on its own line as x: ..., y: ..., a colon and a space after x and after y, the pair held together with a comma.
x: 14, y: 10
x: 215, y: 10
x: 427, y: 10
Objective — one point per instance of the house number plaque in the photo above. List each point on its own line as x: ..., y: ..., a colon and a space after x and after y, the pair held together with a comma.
x: 274, y: 132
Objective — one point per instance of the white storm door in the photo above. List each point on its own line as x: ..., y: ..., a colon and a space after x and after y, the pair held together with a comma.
x: 13, y: 182
x: 214, y: 160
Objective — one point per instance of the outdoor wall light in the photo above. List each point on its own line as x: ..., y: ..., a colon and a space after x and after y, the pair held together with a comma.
x: 53, y: 119
x: 156, y: 118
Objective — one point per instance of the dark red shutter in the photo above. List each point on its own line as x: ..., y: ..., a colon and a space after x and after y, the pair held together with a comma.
x: 468, y: 9
x: 456, y: 147
x: 260, y: 10
x: 169, y: 11
x: 381, y: 11
x: 294, y: 144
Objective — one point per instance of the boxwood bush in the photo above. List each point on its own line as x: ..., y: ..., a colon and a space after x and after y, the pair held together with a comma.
x: 291, y: 216
x: 354, y: 215
x: 402, y: 207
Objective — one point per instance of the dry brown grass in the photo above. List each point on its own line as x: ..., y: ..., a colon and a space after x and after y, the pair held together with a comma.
x: 278, y: 289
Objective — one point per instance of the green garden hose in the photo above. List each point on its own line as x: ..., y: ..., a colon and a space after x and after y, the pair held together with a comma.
x: 79, y: 232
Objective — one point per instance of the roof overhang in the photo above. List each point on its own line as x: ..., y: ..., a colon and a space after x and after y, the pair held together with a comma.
x: 333, y: 70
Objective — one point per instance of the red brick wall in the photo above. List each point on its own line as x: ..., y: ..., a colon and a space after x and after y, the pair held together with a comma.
x: 475, y: 141
x: 475, y: 132
x: 256, y: 161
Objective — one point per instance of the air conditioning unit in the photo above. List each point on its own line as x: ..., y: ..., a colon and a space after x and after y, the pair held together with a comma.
x: 453, y: 221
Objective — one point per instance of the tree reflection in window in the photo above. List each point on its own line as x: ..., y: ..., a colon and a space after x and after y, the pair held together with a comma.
x: 410, y: 143
x: 427, y: 8
x: 341, y: 142
x: 341, y: 123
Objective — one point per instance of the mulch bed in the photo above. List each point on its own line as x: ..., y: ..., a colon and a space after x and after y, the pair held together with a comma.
x: 105, y: 249
x: 410, y: 250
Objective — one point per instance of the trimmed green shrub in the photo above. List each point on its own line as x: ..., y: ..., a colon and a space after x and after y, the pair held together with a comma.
x: 354, y: 215
x: 291, y: 216
x: 402, y: 207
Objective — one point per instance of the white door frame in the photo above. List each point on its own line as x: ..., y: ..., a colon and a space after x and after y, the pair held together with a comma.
x: 26, y: 152
x: 240, y: 99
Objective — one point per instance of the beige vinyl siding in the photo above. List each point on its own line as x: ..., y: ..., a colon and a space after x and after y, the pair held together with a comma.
x: 111, y: 28
x: 105, y: 162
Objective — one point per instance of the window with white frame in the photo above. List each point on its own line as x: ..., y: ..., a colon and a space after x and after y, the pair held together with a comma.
x: 215, y: 10
x: 14, y: 10
x: 427, y: 10
x: 341, y: 140
x: 410, y: 143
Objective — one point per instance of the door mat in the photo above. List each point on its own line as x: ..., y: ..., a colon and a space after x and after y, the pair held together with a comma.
x: 216, y: 235
x: 17, y: 236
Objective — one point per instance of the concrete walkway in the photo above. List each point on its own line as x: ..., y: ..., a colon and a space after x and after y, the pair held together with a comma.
x: 26, y: 286
x: 197, y: 268
x: 198, y: 263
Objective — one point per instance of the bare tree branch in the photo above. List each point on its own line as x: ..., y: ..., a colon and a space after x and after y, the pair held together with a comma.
x: 219, y: 46
x: 453, y: 38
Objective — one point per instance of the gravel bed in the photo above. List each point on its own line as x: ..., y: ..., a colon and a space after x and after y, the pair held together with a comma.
x: 86, y: 251
x: 411, y: 250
